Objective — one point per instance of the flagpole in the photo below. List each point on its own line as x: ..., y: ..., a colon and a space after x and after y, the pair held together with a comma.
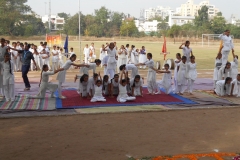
x: 80, y: 48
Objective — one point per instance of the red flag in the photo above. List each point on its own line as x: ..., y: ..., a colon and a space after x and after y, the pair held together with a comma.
x: 164, y: 48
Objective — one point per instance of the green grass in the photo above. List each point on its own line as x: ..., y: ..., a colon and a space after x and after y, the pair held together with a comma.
x: 205, y: 56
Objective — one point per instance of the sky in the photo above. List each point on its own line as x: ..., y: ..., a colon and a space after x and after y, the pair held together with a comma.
x: 132, y: 7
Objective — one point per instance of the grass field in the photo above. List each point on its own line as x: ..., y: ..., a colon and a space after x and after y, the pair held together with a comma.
x: 205, y: 55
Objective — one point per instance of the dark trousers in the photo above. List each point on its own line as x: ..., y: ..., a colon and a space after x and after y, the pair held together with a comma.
x: 25, y: 69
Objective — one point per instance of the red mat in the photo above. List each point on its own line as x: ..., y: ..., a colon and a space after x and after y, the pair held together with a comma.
x: 73, y: 100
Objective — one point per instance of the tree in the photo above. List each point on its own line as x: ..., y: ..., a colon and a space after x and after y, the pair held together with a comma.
x: 129, y: 28
x: 202, y: 19
x: 218, y: 24
x: 14, y: 13
x: 219, y: 14
x: 163, y: 27
x: 71, y: 26
x: 64, y: 15
x: 174, y: 31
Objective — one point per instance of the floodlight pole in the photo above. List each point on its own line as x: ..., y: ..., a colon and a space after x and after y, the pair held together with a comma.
x: 80, y: 48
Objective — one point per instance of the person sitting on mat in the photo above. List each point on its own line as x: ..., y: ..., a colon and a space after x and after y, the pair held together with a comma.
x: 84, y: 87
x: 123, y: 96
x: 106, y: 85
x: 136, y: 85
x: 98, y: 95
x: 114, y: 87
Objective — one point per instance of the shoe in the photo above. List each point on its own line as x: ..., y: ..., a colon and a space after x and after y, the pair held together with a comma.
x: 27, y: 89
x: 159, y: 92
x: 62, y: 97
x: 53, y: 96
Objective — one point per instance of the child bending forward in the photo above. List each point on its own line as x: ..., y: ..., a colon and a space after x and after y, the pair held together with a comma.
x: 123, y: 96
x: 44, y: 84
x: 223, y: 87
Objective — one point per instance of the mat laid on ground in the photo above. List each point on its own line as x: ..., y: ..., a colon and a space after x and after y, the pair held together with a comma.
x: 73, y: 100
x: 25, y: 102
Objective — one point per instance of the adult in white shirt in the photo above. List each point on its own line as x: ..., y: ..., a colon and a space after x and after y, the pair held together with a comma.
x: 122, y: 57
x: 86, y: 52
x: 227, y: 46
x: 187, y: 51
x: 55, y: 58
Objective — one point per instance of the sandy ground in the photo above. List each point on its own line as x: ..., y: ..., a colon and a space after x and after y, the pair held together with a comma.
x: 113, y: 136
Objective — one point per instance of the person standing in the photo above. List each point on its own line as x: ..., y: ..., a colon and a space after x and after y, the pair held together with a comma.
x: 55, y: 58
x: 187, y: 51
x: 227, y: 46
x: 92, y: 53
x: 3, y: 51
x: 122, y: 57
x: 27, y: 56
x: 143, y: 56
x: 86, y: 52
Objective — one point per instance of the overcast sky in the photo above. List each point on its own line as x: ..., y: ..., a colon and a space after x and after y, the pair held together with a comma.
x: 132, y: 7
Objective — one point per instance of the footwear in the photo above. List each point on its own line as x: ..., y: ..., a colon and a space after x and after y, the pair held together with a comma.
x: 62, y: 97
x: 53, y: 96
x: 159, y: 92
x: 12, y: 100
x: 7, y: 100
x: 27, y: 89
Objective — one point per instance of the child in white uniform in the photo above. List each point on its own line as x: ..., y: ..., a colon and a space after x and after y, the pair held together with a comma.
x: 191, y: 74
x: 98, y: 95
x: 8, y: 77
x: 112, y: 62
x: 225, y: 72
x: 104, y: 63
x: 86, y: 52
x: 106, y: 85
x: 92, y: 66
x: 92, y: 82
x: 234, y: 66
x: 143, y: 56
x: 235, y: 86
x: 182, y: 77
x: 15, y: 57
x: 176, y: 62
x: 187, y: 51
x: 44, y: 84
x: 123, y: 96
x: 136, y: 84
x: 55, y: 58
x: 227, y: 46
x: 151, y: 76
x: 84, y: 86
x: 60, y: 57
x: 218, y: 64
x: 166, y: 81
x: 122, y: 57
x: 102, y: 54
x: 62, y: 75
x: 130, y: 67
x: 114, y: 90
x: 223, y: 87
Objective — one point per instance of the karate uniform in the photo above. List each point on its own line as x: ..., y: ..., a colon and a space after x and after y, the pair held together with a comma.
x: 182, y: 77
x: 191, y: 75
x: 122, y: 58
x: 227, y: 47
x: 133, y: 68
x: 236, y: 89
x: 84, y: 88
x: 98, y: 97
x: 86, y: 53
x: 123, y: 96
x: 136, y: 86
x: 151, y: 77
x: 55, y: 59
x: 222, y: 89
x: 8, y: 80
x: 234, y: 66
x: 187, y: 52
x: 166, y: 82
x: 46, y: 85
x: 62, y: 76
x: 112, y: 62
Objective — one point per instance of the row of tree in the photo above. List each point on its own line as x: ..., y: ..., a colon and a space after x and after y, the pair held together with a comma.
x: 18, y: 19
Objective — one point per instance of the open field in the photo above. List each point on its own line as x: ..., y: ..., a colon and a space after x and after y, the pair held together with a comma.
x: 205, y: 55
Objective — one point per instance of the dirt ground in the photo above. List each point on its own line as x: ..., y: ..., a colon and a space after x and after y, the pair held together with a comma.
x: 114, y: 136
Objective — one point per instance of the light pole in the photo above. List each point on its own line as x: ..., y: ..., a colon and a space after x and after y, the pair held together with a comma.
x: 80, y: 48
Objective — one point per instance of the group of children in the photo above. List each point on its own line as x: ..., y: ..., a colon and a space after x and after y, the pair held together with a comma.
x: 117, y: 64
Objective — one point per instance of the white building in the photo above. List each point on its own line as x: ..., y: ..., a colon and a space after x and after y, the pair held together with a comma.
x: 56, y: 20
x: 234, y: 20
x: 191, y: 9
x: 180, y: 20
x: 147, y: 27
x: 158, y: 11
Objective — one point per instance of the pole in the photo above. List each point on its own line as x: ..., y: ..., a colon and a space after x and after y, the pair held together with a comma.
x: 80, y: 48
x: 49, y: 16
